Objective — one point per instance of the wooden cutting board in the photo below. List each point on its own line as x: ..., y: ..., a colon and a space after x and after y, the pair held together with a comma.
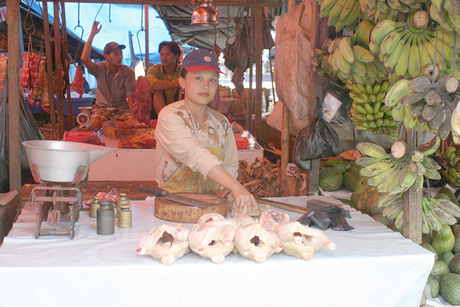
x: 110, y: 129
x: 171, y: 211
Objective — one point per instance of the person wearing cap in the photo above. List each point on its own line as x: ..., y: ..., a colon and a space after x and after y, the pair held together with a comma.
x: 164, y: 77
x: 115, y: 82
x: 196, y: 149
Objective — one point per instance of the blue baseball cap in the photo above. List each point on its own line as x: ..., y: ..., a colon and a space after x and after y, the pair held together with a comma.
x: 198, y: 60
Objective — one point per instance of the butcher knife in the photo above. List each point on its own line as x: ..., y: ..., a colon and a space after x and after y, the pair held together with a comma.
x: 282, y: 205
x: 150, y: 189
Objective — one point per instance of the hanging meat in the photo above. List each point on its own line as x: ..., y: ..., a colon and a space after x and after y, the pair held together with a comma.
x: 78, y: 81
x: 142, y: 104
x: 237, y: 80
x: 166, y: 243
x: 33, y: 73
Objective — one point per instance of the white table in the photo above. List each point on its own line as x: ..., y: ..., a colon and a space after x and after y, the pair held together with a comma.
x: 140, y: 164
x: 372, y: 266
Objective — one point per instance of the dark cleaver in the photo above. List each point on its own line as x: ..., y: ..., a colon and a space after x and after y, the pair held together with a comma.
x: 153, y: 190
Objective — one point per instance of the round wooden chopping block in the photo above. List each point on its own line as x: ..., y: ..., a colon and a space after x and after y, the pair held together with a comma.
x: 175, y: 212
x: 110, y: 129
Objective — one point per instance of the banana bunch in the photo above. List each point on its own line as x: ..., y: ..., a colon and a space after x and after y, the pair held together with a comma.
x: 379, y: 10
x: 446, y: 13
x: 368, y: 110
x: 406, y: 47
x: 437, y: 212
x: 352, y: 62
x: 452, y: 172
x: 397, y: 172
x: 341, y: 13
x: 320, y: 61
x: 423, y: 105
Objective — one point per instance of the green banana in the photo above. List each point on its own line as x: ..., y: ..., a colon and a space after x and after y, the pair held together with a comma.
x: 390, y: 42
x: 391, y: 211
x: 376, y: 168
x: 372, y: 150
x: 363, y: 55
x: 354, y: 14
x: 441, y: 215
x: 326, y: 7
x: 335, y: 12
x: 449, y: 207
x: 376, y: 181
x: 382, y: 29
x: 396, y: 92
x: 366, y: 161
x: 403, y: 62
x: 452, y: 6
x: 345, y: 48
x: 414, y: 61
x: 399, y: 221
x: 386, y: 199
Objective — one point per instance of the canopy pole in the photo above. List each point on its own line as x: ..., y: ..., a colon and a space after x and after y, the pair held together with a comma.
x: 147, y: 52
x: 14, y: 115
x: 258, y: 59
x: 58, y: 74
x: 65, y: 51
x: 285, y: 135
x: 49, y: 69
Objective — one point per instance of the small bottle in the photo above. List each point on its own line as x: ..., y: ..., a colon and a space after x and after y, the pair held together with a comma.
x: 125, y: 215
x: 94, y: 206
x: 105, y: 218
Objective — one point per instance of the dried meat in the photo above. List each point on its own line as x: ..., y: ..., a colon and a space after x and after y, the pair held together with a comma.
x: 142, y: 104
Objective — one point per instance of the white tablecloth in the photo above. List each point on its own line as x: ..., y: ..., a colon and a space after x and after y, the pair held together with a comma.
x: 372, y: 266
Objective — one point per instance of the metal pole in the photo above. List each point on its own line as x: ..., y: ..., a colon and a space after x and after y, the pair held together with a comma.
x: 58, y: 74
x: 147, y: 60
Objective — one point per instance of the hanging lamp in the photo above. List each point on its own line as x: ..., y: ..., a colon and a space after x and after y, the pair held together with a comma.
x: 205, y: 14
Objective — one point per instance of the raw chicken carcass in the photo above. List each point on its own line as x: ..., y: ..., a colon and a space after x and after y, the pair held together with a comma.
x: 212, y: 237
x: 166, y: 243
x: 302, y: 241
x: 141, y: 140
x: 270, y: 218
x: 255, y: 242
x: 78, y: 81
x: 212, y: 242
x: 142, y: 103
x: 244, y: 220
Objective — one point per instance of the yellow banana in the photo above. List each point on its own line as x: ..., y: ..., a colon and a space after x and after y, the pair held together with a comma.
x: 326, y: 6
x: 414, y: 61
x: 363, y: 55
x: 403, y: 62
x: 372, y: 150
x: 390, y: 42
x: 396, y: 92
x: 335, y: 12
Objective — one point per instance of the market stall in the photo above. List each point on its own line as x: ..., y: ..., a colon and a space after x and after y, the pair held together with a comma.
x: 372, y: 266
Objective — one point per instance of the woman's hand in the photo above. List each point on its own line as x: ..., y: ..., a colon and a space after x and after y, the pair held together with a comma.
x: 243, y: 199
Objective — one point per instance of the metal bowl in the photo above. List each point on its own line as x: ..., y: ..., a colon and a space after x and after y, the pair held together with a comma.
x: 59, y: 161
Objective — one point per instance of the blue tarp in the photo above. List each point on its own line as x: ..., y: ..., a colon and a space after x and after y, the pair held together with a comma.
x: 117, y: 21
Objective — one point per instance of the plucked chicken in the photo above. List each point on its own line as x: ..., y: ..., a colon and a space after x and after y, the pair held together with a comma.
x: 302, y: 241
x: 166, y: 243
x: 255, y: 242
x: 270, y: 218
x: 212, y: 237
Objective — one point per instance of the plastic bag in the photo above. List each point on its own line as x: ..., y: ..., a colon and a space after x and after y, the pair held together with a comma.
x: 315, y: 141
x: 336, y: 94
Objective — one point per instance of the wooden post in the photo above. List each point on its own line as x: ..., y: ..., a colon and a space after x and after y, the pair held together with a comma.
x: 14, y: 118
x: 285, y: 127
x: 49, y: 69
x: 58, y: 72
x: 251, y: 51
x: 147, y: 60
x: 65, y: 51
x: 413, y: 202
x: 258, y: 57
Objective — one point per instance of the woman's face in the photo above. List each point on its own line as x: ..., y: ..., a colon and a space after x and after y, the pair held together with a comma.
x: 200, y: 86
x: 167, y: 58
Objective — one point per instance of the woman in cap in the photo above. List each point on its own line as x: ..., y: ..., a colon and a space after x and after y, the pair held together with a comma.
x: 196, y: 149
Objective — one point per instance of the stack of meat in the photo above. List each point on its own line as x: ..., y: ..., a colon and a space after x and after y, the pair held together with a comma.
x: 141, y: 141
x: 78, y: 81
x: 33, y: 73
